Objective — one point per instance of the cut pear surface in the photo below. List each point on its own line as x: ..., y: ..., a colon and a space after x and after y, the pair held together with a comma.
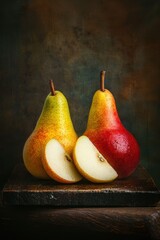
x: 90, y: 163
x: 58, y: 164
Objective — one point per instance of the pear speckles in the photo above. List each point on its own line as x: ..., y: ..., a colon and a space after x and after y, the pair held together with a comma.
x: 55, y: 121
x: 108, y: 134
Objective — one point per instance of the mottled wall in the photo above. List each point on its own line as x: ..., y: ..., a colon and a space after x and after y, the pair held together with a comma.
x: 70, y: 42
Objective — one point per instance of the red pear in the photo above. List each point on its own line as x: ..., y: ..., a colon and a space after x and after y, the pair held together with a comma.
x: 108, y: 134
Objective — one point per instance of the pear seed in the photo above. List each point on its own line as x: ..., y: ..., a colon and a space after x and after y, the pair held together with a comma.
x: 68, y: 158
x: 100, y: 158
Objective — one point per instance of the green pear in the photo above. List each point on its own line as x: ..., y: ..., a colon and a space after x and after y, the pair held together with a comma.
x: 54, y: 123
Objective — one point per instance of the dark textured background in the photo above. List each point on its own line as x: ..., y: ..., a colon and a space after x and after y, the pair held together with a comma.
x: 70, y: 42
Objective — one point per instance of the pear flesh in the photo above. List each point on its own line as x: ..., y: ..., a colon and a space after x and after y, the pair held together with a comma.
x: 54, y: 122
x: 58, y: 163
x: 90, y: 163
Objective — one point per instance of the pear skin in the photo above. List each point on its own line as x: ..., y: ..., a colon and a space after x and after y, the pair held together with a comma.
x: 54, y: 122
x: 108, y: 134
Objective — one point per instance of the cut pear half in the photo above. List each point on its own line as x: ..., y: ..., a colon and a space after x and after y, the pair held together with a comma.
x: 58, y: 164
x: 90, y: 163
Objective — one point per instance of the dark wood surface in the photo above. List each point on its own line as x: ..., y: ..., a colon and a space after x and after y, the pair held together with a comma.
x: 21, y: 220
x: 43, y: 222
x: 137, y: 190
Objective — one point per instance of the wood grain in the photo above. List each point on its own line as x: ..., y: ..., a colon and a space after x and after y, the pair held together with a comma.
x: 111, y: 223
x: 137, y: 190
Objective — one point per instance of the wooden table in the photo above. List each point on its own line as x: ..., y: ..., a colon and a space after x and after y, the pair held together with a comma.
x: 24, y: 216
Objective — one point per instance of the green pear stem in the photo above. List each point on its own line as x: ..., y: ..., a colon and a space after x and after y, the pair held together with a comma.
x: 52, y: 88
x: 102, y: 78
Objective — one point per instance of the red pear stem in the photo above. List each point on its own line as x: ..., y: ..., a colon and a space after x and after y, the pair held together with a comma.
x: 52, y: 88
x: 102, y: 78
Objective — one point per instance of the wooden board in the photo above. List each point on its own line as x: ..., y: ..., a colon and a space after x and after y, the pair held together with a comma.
x: 137, y: 190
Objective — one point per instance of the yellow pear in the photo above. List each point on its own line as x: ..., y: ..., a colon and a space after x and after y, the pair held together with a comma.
x: 54, y: 122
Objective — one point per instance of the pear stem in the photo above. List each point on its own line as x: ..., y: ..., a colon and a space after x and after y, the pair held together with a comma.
x: 52, y: 88
x: 102, y: 78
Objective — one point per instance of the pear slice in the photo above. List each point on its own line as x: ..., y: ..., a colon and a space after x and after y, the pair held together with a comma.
x: 90, y: 163
x: 58, y: 164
